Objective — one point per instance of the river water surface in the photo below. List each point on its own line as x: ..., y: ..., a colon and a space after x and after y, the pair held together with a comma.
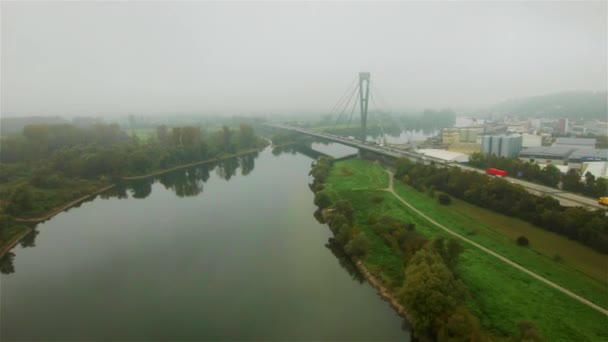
x: 218, y: 252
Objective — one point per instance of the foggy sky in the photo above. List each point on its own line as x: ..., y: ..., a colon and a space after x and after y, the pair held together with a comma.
x: 84, y: 58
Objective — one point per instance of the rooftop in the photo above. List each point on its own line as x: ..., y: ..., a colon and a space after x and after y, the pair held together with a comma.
x: 590, y: 154
x: 575, y: 141
x: 444, y: 155
x: 547, y: 151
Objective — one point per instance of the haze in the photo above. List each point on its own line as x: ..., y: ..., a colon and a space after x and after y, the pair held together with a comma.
x: 83, y: 58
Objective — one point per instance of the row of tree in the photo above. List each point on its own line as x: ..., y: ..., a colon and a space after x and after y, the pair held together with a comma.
x: 577, y: 223
x: 549, y: 175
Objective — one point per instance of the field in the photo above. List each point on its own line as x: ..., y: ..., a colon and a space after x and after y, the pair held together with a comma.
x: 499, y: 294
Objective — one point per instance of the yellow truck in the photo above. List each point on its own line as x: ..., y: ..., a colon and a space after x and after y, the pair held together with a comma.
x: 603, y: 200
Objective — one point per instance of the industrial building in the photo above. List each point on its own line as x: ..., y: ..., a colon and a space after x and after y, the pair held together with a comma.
x: 557, y: 155
x: 469, y: 134
x: 578, y: 143
x: 450, y: 136
x: 531, y: 140
x: 578, y: 157
x: 507, y: 146
x: 562, y: 125
x: 598, y: 169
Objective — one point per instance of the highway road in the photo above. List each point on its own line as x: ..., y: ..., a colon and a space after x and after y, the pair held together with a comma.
x: 565, y: 198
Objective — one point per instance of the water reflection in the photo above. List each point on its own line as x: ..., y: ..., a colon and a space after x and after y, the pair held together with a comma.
x: 184, y: 183
x: 6, y: 263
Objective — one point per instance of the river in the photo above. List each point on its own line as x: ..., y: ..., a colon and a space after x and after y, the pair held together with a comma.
x: 218, y: 252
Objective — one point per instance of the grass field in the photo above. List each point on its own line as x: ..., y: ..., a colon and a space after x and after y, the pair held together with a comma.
x: 499, y: 294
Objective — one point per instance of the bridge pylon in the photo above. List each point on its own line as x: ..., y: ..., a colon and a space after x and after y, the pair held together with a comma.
x: 364, y: 79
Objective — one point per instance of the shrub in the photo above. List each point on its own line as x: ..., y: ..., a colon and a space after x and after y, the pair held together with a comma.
x: 377, y: 199
x: 444, y: 199
x: 523, y: 241
x: 322, y: 199
x: 358, y: 246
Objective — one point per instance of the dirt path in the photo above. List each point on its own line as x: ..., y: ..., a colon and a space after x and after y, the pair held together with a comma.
x: 492, y: 253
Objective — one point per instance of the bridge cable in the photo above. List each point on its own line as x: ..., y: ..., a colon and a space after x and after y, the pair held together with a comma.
x: 353, y: 109
x: 343, y: 97
x: 347, y: 104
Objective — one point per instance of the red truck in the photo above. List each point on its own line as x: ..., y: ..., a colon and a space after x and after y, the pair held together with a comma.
x: 496, y: 172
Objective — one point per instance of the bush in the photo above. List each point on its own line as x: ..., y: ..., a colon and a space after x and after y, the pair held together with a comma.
x: 444, y: 199
x: 358, y: 246
x: 523, y: 241
x: 322, y: 199
x: 377, y: 199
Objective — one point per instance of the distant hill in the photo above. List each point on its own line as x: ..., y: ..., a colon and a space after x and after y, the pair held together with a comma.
x: 15, y: 125
x: 572, y: 105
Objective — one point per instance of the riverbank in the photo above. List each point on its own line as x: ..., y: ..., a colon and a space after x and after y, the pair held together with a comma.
x: 183, y: 166
x: 4, y: 248
x: 490, y: 284
x: 382, y: 291
x: 12, y: 243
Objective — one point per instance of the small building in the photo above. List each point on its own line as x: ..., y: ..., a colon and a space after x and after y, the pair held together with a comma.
x: 578, y: 143
x: 578, y: 157
x: 557, y: 155
x: 446, y: 156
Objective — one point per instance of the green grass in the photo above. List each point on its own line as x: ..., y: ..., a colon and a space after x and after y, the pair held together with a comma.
x: 583, y: 270
x: 355, y: 174
x: 499, y: 294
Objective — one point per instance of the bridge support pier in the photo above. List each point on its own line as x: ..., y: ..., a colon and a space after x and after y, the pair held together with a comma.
x: 364, y: 79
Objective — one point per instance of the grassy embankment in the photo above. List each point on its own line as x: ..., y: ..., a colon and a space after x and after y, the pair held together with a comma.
x: 500, y: 295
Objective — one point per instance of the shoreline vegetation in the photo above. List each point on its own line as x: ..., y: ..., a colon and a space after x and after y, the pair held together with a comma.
x: 402, y: 255
x: 48, y: 169
x: 6, y: 247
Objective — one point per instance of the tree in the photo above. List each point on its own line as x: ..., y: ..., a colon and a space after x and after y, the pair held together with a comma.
x: 346, y: 208
x: 590, y: 184
x: 444, y: 199
x: 358, y: 246
x: 528, y: 332
x: 20, y: 201
x: 571, y: 181
x: 246, y: 136
x: 459, y: 325
x: 550, y: 176
x: 322, y: 199
x: 429, y: 291
x: 523, y: 241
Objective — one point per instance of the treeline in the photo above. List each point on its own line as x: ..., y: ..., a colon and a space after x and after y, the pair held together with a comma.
x: 48, y: 165
x: 577, y: 223
x: 549, y: 175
